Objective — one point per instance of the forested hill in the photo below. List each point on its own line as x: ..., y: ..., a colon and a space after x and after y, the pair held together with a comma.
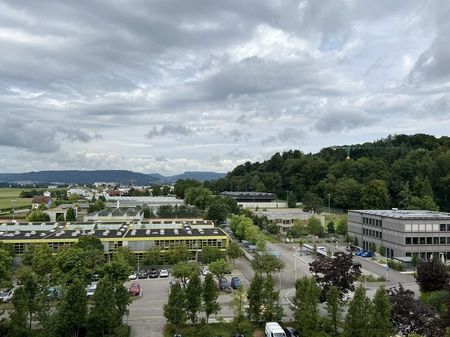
x: 399, y: 171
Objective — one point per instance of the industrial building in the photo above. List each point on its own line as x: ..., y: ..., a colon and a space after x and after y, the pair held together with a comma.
x: 115, y: 215
x: 404, y: 233
x: 285, y: 218
x: 153, y: 203
x: 138, y: 236
x: 254, y: 200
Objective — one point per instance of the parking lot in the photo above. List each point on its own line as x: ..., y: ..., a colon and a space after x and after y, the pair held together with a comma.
x: 146, y: 316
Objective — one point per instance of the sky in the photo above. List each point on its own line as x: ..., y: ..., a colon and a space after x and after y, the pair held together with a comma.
x: 195, y: 85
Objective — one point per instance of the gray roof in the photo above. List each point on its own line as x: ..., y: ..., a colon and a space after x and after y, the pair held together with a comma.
x: 406, y: 214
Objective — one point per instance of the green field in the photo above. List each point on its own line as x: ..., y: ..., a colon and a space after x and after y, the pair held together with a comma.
x: 8, y: 194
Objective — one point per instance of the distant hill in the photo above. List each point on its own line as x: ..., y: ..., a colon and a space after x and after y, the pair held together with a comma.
x: 90, y: 177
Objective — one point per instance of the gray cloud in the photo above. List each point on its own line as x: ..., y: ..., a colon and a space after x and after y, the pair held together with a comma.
x: 170, y: 130
x: 98, y: 80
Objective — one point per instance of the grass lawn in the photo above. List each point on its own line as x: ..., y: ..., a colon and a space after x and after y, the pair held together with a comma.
x: 8, y: 194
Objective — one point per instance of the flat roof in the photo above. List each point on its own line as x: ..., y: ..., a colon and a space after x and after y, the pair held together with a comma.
x: 406, y: 214
x: 73, y: 231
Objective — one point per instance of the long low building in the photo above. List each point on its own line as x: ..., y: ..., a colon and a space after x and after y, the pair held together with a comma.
x: 138, y: 236
x: 285, y: 218
x: 404, y: 233
x: 153, y: 203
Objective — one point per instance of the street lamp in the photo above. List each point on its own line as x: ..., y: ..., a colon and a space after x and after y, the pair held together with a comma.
x: 13, y: 202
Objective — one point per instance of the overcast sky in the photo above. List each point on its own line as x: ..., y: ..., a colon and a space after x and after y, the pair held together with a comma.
x: 169, y: 86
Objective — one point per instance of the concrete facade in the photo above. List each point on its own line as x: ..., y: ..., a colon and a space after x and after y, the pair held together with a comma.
x: 403, y: 232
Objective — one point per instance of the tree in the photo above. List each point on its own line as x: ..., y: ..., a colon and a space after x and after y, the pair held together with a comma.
x: 198, y: 196
x: 342, y: 227
x: 218, y: 209
x: 152, y: 257
x: 254, y: 295
x: 184, y: 270
x: 73, y: 263
x: 219, y: 268
x: 177, y: 254
x: 333, y: 307
x: 71, y: 215
x: 5, y: 268
x: 267, y: 263
x: 233, y: 251
x: 71, y: 312
x: 193, y: 297
x: 272, y: 310
x: 210, y: 254
x: 330, y: 227
x: 380, y: 324
x: 103, y: 316
x: 298, y: 229
x: 315, y: 227
x: 33, y: 296
x: 375, y: 195
x: 356, y: 322
x: 238, y: 302
x: 42, y: 260
x: 413, y: 316
x: 127, y: 254
x: 312, y: 203
x: 338, y: 271
x: 148, y: 213
x: 426, y: 203
x: 36, y: 216
x: 182, y: 185
x: 93, y: 252
x: 117, y: 270
x: 347, y: 193
x: 18, y: 326
x: 210, y: 294
x: 306, y: 302
x: 291, y: 200
x: 239, y: 223
x: 431, y: 275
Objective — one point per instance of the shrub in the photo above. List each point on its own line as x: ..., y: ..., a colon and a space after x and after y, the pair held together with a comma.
x: 396, y: 265
x: 436, y: 299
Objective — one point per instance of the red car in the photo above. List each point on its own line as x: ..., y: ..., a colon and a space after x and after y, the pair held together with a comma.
x: 135, y: 289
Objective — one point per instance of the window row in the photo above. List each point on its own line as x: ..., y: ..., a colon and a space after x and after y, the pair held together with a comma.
x: 373, y: 222
x: 427, y: 227
x: 427, y: 240
x: 372, y: 233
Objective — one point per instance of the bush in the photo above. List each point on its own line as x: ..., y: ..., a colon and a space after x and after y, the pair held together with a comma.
x: 436, y: 299
x: 396, y: 265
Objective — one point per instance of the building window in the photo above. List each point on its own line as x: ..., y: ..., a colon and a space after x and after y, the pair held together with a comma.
x: 448, y: 227
x: 408, y: 241
x: 435, y: 241
x: 442, y: 227
x: 415, y: 241
x: 429, y: 241
x: 422, y: 240
x: 442, y: 240
x: 448, y: 240
x: 381, y: 235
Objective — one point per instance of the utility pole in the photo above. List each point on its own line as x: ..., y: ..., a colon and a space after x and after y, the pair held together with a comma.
x: 13, y: 202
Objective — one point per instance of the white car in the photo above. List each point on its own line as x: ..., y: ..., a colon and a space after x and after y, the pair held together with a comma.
x: 205, y: 270
x: 163, y: 273
x: 6, y: 295
x: 91, y: 290
x: 132, y: 276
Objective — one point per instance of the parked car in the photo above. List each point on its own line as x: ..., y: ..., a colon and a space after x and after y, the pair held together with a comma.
x: 142, y: 274
x: 360, y: 252
x: 163, y: 273
x: 274, y: 329
x: 6, y: 295
x: 290, y: 332
x: 132, y: 276
x: 135, y: 289
x: 224, y: 284
x: 153, y: 273
x: 235, y: 282
x: 204, y: 271
x: 91, y: 290
x: 367, y: 253
x: 54, y: 293
x: 95, y: 278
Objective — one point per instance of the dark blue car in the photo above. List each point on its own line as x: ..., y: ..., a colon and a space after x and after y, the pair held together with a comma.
x: 235, y: 282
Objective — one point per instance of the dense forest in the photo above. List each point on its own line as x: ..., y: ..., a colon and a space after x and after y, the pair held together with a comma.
x: 399, y: 171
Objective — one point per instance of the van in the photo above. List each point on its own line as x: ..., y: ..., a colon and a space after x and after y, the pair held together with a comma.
x: 273, y: 329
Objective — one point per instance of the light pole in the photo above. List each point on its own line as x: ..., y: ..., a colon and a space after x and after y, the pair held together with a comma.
x: 13, y: 202
x: 329, y: 204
